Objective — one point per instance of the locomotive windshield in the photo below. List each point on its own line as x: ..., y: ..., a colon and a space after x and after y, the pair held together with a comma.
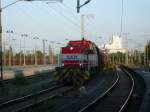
x: 70, y: 44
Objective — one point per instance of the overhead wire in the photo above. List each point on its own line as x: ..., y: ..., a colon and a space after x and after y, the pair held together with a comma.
x: 90, y: 25
x: 69, y: 14
x: 64, y: 16
x: 49, y: 13
x: 46, y: 11
x: 69, y: 10
x: 68, y: 7
x: 34, y: 21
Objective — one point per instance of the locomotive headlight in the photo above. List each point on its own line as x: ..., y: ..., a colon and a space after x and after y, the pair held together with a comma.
x: 71, y: 48
x: 62, y: 64
x: 80, y: 64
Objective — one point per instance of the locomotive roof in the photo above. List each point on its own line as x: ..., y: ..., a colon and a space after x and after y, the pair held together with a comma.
x: 82, y: 42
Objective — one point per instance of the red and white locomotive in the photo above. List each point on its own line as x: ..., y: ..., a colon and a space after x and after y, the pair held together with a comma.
x: 82, y: 54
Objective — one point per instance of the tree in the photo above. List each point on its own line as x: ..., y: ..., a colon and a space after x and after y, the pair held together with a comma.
x: 147, y: 52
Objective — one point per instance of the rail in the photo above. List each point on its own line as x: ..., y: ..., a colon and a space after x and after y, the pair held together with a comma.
x: 102, y: 95
x: 87, y: 107
x: 131, y: 91
x: 10, y: 102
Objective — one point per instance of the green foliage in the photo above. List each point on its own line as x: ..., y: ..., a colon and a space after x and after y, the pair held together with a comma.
x: 117, y: 58
x: 56, y: 75
x: 87, y: 75
x: 147, y: 53
x: 20, y: 80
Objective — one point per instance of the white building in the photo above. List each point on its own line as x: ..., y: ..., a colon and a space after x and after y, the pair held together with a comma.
x: 115, y: 45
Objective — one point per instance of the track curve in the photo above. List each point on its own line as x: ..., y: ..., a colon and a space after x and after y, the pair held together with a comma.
x: 116, y: 99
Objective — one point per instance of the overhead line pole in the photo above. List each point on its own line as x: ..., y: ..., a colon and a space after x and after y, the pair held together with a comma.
x: 35, y: 50
x: 4, y: 63
x: 126, y: 46
x: 13, y: 53
x: 24, y: 54
x: 79, y: 6
x: 20, y: 54
x: 122, y: 10
x: 82, y: 26
x: 44, y: 53
x: 1, y: 52
x: 10, y: 47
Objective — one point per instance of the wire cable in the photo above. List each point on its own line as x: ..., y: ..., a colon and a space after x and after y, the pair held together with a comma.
x: 69, y: 10
x: 48, y: 11
x: 66, y: 18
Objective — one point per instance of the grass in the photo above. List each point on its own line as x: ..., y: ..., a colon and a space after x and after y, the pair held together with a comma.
x: 20, y: 80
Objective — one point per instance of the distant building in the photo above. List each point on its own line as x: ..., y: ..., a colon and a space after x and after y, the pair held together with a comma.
x: 115, y: 45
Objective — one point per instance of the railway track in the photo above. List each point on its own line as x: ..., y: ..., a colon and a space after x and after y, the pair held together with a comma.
x: 40, y: 81
x: 28, y: 101
x: 31, y: 89
x: 116, y: 98
x: 96, y: 87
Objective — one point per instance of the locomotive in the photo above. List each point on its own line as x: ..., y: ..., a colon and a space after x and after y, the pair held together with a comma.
x: 82, y: 54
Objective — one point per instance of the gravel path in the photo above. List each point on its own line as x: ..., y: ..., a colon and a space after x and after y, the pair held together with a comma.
x: 27, y: 71
x: 145, y: 107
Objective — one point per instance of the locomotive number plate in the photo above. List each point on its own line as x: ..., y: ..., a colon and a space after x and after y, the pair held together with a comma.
x: 71, y: 57
x: 74, y: 57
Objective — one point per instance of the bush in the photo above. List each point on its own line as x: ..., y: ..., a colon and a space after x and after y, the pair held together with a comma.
x: 20, y: 79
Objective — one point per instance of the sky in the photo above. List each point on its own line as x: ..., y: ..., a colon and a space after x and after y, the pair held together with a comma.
x: 60, y: 21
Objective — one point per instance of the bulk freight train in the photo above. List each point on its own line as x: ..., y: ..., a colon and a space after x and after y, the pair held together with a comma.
x: 79, y: 59
x: 82, y: 54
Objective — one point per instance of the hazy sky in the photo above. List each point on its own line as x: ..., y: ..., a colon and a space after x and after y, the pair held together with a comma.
x: 56, y: 21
